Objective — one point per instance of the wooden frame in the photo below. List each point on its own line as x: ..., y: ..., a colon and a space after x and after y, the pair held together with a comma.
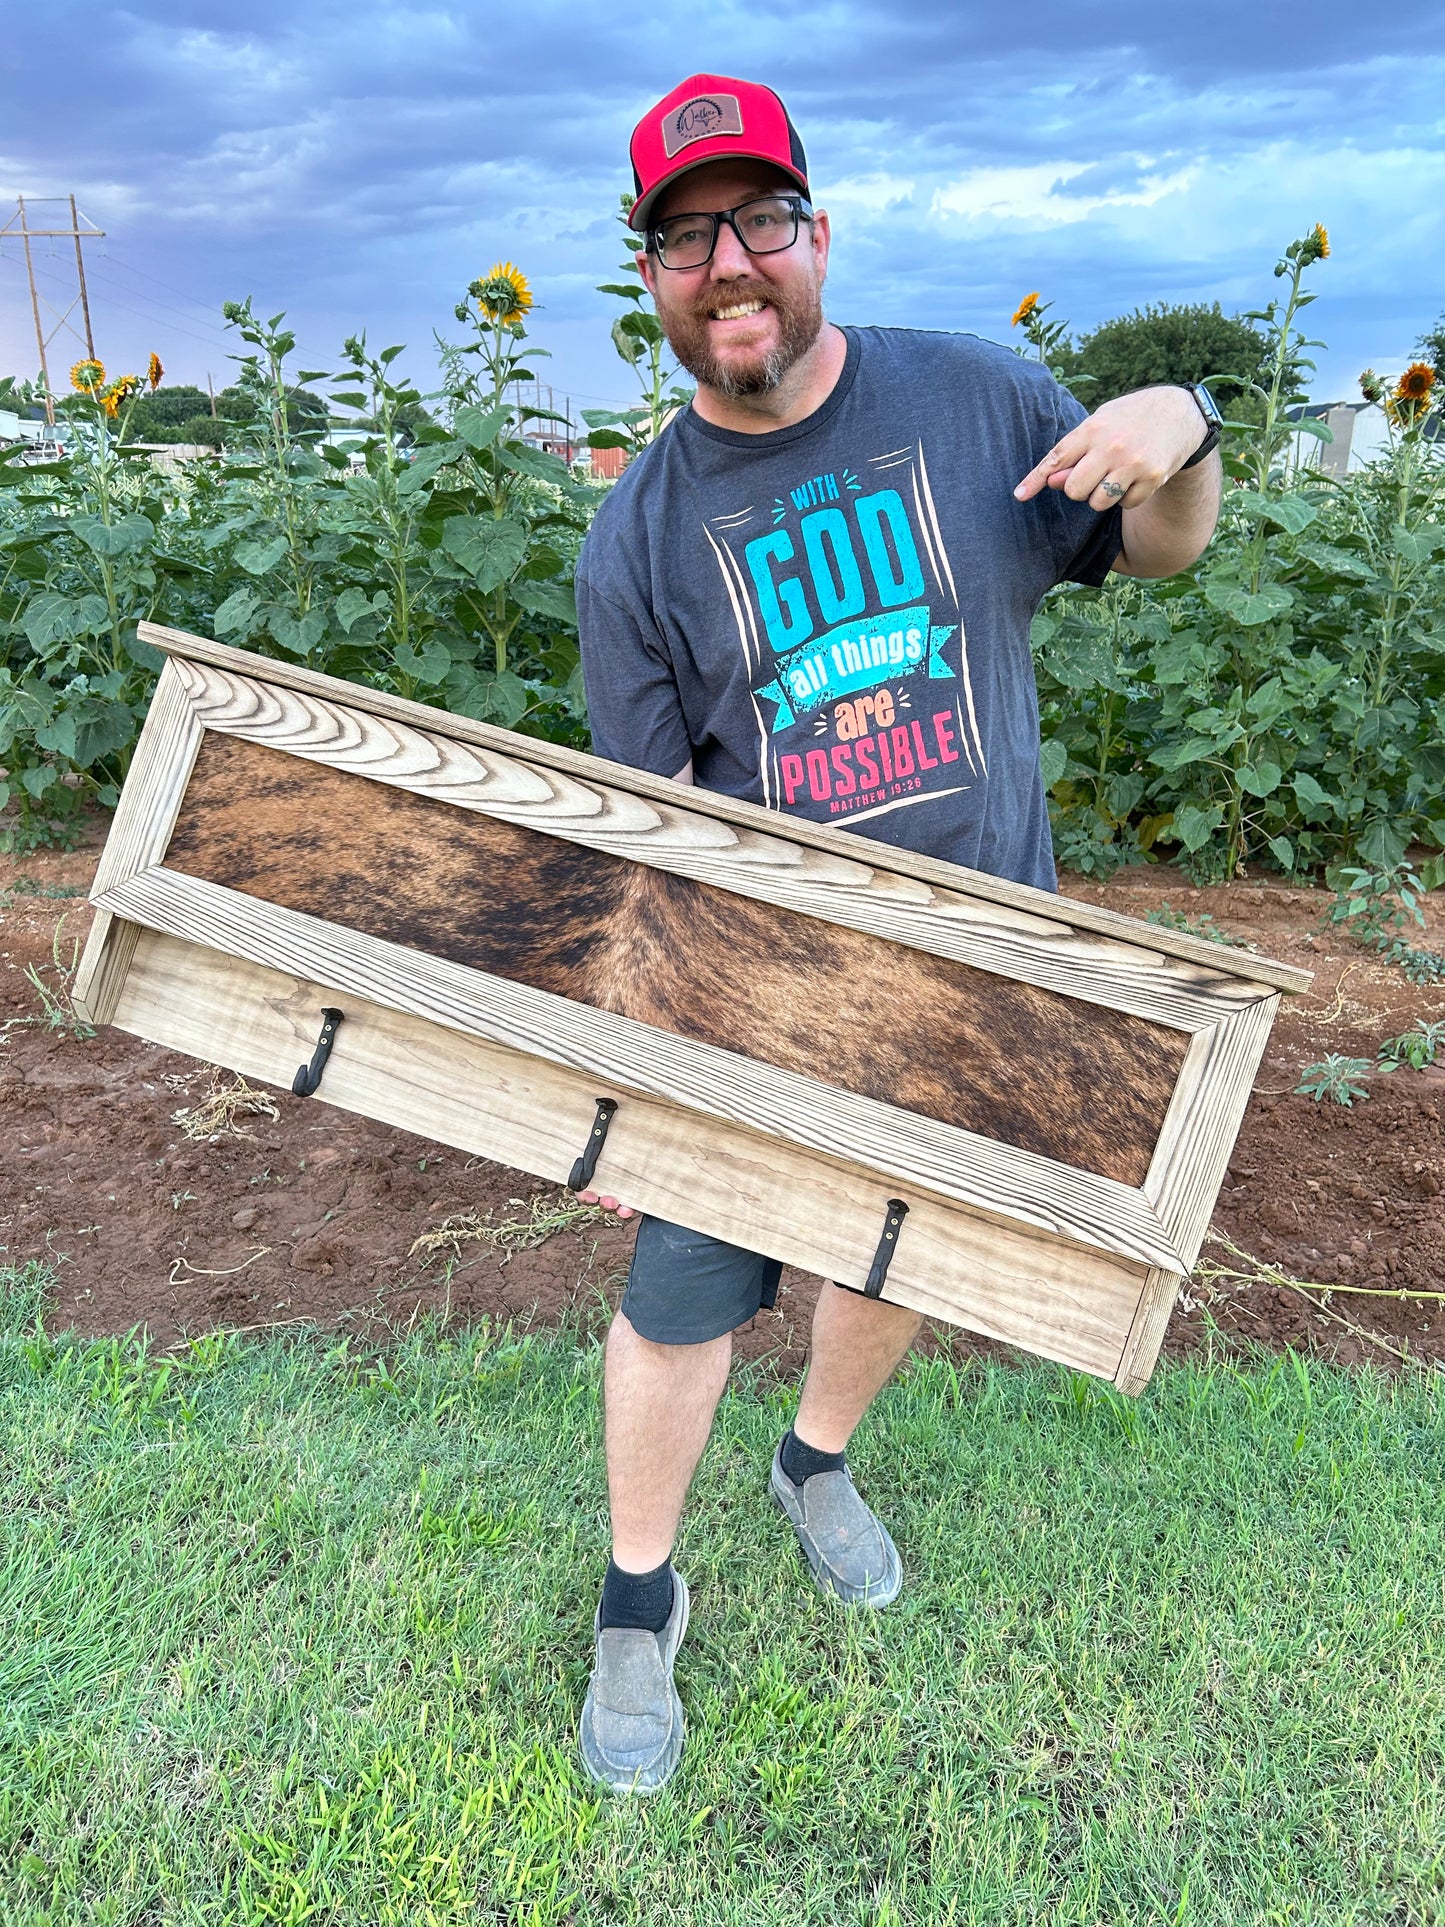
x: 1026, y: 1247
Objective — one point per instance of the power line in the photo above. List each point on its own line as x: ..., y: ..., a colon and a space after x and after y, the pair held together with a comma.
x: 82, y: 300
x: 115, y: 302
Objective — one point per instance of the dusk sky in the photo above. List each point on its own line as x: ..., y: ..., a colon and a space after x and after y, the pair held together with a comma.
x: 357, y: 165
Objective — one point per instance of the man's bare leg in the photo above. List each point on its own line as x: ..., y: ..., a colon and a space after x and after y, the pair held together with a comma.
x: 857, y: 1346
x: 659, y: 1402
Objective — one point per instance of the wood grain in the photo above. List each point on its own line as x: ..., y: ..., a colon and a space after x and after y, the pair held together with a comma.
x: 103, y: 967
x: 1204, y: 1119
x: 623, y: 1055
x: 550, y: 759
x: 1146, y: 1331
x: 805, y: 1208
x: 160, y: 768
x: 923, y: 1033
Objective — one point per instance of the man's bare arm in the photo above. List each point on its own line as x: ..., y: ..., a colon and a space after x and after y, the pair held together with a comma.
x: 1132, y: 451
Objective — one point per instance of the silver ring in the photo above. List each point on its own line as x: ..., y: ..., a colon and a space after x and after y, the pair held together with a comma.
x: 1114, y: 489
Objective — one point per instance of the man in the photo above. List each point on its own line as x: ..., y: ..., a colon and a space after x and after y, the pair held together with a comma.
x: 814, y: 590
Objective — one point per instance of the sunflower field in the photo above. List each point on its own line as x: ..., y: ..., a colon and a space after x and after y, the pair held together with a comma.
x: 1281, y: 703
x: 437, y: 566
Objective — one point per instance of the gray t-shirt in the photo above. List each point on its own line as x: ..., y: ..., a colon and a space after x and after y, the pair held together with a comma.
x: 832, y: 619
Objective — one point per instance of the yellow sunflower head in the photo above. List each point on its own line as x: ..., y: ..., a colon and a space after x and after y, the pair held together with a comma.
x: 155, y: 374
x: 111, y: 401
x: 1415, y: 384
x: 1025, y: 309
x: 502, y: 293
x: 1319, y: 236
x: 88, y: 377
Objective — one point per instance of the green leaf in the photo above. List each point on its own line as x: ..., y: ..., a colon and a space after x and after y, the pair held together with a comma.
x: 299, y: 634
x: 1418, y: 545
x: 479, y: 427
x: 102, y: 728
x: 555, y: 599
x: 123, y: 537
x: 535, y: 462
x: 143, y: 653
x: 1258, y: 779
x: 38, y: 779
x: 235, y: 615
x: 49, y: 618
x: 1249, y: 609
x: 490, y: 549
x: 1382, y: 844
x: 609, y: 438
x: 1193, y: 826
x: 58, y: 735
x: 1310, y: 793
x: 1286, y: 511
x: 425, y: 464
x: 1053, y: 761
x: 1192, y: 750
x: 431, y: 664
x: 261, y: 556
x: 351, y: 605
x: 1283, y: 851
x: 1337, y: 561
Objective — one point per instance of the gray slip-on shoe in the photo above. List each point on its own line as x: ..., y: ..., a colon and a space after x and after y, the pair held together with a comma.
x: 847, y: 1546
x: 631, y: 1734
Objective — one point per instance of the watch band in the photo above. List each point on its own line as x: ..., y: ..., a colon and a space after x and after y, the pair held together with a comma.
x: 1213, y: 425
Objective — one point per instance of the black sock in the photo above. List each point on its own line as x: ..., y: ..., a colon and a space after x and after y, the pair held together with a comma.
x: 801, y: 1460
x: 637, y: 1598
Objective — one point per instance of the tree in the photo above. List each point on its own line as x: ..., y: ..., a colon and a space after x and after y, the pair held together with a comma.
x: 161, y: 415
x: 1431, y: 347
x: 307, y: 411
x: 1170, y: 344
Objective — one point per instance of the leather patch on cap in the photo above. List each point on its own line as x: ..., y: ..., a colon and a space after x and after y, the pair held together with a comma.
x: 699, y: 119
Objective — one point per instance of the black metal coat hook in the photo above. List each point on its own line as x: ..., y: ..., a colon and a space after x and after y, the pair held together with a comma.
x: 583, y: 1169
x: 887, y: 1245
x: 304, y: 1083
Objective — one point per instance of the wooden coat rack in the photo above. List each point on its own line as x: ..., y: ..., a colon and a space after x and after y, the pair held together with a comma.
x: 998, y: 1106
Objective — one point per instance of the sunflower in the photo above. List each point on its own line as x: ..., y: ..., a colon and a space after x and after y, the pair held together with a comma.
x: 155, y: 374
x: 1319, y: 234
x: 88, y: 377
x: 1415, y: 384
x: 118, y: 393
x: 1025, y: 309
x: 1371, y: 387
x: 502, y: 293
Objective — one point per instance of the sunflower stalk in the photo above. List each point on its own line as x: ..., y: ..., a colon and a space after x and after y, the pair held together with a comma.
x: 638, y: 338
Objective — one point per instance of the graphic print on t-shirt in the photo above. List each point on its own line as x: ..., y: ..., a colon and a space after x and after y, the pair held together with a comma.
x: 848, y: 617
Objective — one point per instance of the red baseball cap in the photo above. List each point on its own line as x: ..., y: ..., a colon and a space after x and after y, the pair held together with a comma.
x: 711, y: 118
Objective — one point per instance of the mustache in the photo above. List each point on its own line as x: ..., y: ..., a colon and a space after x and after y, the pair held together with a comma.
x: 731, y: 296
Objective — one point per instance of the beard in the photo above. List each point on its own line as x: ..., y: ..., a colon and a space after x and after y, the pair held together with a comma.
x: 800, y: 322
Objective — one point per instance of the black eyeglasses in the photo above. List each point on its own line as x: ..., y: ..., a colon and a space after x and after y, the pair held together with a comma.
x: 764, y: 226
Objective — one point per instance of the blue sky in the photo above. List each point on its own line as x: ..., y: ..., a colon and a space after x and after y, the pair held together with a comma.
x: 356, y: 165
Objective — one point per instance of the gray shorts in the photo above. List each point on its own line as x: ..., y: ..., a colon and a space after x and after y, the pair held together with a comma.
x: 684, y: 1289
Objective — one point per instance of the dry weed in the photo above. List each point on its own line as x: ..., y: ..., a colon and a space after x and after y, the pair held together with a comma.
x: 223, y: 1103
x: 547, y: 1214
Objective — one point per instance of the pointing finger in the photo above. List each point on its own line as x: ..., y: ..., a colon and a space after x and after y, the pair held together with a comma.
x: 1062, y: 455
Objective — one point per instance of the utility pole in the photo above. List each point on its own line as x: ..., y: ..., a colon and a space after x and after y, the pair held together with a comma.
x: 19, y: 223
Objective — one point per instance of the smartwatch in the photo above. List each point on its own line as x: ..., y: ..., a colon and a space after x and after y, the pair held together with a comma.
x: 1213, y: 424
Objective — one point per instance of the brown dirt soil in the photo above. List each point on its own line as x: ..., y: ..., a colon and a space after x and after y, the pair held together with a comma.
x: 315, y: 1215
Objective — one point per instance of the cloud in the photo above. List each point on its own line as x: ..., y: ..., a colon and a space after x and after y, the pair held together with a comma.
x: 357, y: 164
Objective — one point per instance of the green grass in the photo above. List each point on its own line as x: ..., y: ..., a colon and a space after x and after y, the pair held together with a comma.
x: 298, y: 1632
